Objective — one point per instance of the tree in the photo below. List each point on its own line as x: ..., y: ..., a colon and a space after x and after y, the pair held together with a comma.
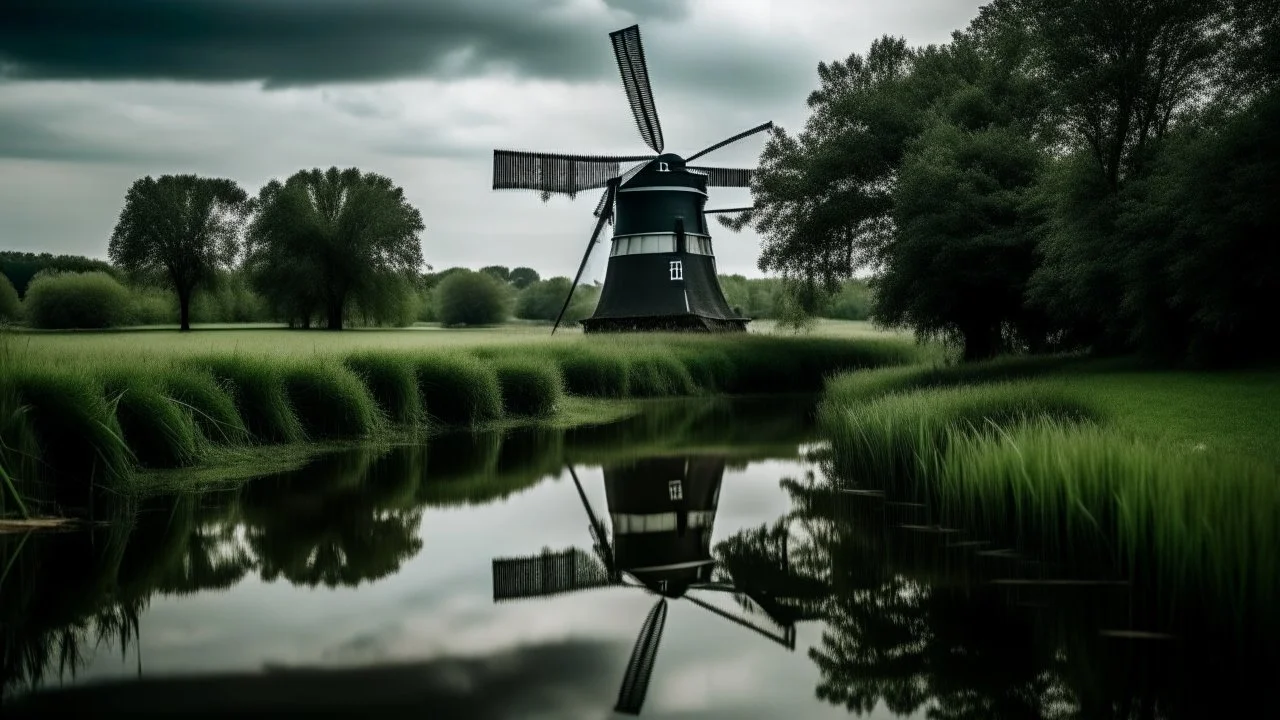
x: 523, y: 277
x: 543, y: 299
x: 471, y: 298
x: 20, y: 267
x: 181, y: 229
x: 9, y: 306
x: 501, y: 272
x: 322, y: 240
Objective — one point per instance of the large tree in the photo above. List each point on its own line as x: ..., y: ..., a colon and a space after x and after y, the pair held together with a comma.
x: 181, y: 229
x: 325, y: 239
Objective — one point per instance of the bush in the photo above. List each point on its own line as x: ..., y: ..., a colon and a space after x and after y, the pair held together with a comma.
x: 76, y: 300
x: 152, y: 306
x: 9, y: 305
x: 458, y: 389
x: 471, y: 298
x: 391, y: 381
x: 529, y: 387
x: 329, y: 400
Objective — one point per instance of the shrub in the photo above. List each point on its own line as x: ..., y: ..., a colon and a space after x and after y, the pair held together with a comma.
x: 471, y: 298
x: 258, y: 390
x: 458, y: 389
x: 9, y: 305
x: 156, y: 429
x: 529, y: 387
x: 76, y: 300
x: 152, y: 306
x: 391, y: 381
x: 329, y: 400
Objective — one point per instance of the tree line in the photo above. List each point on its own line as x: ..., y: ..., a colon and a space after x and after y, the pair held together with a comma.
x: 1062, y: 174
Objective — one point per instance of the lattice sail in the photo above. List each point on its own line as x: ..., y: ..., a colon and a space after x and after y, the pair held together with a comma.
x: 726, y: 177
x: 554, y: 172
x: 547, y: 574
x: 635, y: 80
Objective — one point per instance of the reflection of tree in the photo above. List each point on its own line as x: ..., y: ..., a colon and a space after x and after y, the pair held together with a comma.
x: 341, y: 521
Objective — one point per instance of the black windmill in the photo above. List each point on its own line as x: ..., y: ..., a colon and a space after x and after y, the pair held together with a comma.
x: 661, y: 511
x: 662, y: 272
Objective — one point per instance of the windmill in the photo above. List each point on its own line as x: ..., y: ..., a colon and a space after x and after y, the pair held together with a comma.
x: 662, y: 271
x: 661, y: 511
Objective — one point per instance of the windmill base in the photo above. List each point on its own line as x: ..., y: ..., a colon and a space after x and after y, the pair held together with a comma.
x: 665, y: 323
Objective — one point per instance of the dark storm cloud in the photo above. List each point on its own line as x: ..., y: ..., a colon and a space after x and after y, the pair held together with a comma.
x: 302, y: 42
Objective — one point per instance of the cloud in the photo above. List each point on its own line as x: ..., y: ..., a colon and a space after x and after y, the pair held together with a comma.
x: 297, y: 42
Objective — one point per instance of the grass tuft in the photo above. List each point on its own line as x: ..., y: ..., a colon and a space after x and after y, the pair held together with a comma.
x: 256, y: 385
x: 529, y: 387
x: 329, y: 400
x: 209, y: 404
x: 657, y: 374
x: 593, y: 372
x: 390, y: 379
x: 458, y: 389
x: 158, y: 430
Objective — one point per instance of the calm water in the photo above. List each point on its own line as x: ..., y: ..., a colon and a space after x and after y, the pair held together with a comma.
x: 696, y: 561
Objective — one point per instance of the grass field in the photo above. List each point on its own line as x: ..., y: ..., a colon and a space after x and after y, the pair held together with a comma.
x: 95, y: 406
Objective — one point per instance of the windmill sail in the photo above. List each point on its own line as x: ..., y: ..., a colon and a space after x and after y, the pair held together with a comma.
x: 554, y: 172
x: 635, y: 80
x: 635, y: 681
x: 728, y: 141
x: 725, y: 177
x: 547, y: 574
x: 606, y: 205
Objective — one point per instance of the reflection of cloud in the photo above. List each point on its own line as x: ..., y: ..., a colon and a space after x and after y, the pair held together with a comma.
x: 572, y: 679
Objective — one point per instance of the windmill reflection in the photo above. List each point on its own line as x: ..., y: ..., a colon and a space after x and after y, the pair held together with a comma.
x: 661, y: 514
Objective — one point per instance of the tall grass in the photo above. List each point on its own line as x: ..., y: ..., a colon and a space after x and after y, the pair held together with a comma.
x: 883, y: 381
x: 458, y: 389
x: 529, y: 387
x: 393, y: 384
x: 159, y: 430
x: 103, y: 416
x: 257, y: 387
x: 897, y: 439
x: 329, y: 400
x: 1207, y: 522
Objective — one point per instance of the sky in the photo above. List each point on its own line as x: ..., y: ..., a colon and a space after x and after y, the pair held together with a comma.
x: 94, y: 95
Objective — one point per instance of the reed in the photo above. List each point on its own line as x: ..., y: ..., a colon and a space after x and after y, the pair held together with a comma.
x: 902, y: 378
x: 1206, y: 521
x: 209, y: 404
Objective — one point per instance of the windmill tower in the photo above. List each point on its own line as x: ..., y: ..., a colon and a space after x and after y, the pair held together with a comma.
x: 662, y: 270
x: 661, y: 511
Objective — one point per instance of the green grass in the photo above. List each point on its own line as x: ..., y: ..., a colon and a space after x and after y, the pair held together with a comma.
x: 391, y: 381
x: 154, y: 399
x: 1178, y: 471
x: 329, y: 400
x: 1207, y: 521
x: 458, y: 389
x: 529, y: 387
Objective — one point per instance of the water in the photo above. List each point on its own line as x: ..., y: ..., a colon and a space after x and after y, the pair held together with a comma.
x: 545, y: 574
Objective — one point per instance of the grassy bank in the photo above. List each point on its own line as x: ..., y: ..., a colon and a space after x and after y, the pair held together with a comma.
x: 1173, y: 475
x: 94, y: 417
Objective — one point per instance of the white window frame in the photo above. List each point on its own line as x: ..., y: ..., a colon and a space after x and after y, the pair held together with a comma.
x: 675, y: 490
x: 677, y: 270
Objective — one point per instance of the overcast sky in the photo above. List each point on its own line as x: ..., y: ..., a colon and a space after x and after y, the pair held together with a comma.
x: 96, y: 94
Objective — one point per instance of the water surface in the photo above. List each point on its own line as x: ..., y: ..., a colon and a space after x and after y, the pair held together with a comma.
x: 698, y: 561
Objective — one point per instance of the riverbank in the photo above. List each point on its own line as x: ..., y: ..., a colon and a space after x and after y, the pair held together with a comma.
x: 74, y: 422
x: 1180, y: 469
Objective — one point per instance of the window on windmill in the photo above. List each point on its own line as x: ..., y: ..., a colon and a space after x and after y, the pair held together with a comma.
x: 662, y: 167
x: 676, y: 489
x: 677, y: 270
